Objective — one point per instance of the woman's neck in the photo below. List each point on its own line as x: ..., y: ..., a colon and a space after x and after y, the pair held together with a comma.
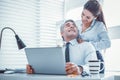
x: 85, y: 26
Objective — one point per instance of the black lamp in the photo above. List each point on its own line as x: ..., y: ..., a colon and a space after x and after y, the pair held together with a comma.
x: 20, y: 43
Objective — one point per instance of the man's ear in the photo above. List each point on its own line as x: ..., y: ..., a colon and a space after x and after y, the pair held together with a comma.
x: 61, y: 33
x: 62, y: 36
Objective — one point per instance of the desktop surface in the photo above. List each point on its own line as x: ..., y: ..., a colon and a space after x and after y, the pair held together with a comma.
x: 23, y: 76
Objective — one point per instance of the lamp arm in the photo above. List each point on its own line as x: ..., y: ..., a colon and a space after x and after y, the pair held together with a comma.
x: 2, y: 32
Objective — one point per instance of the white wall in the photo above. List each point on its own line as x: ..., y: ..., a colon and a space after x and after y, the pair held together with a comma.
x: 70, y: 4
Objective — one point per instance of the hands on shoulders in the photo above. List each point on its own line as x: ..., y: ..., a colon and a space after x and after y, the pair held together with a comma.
x: 80, y: 40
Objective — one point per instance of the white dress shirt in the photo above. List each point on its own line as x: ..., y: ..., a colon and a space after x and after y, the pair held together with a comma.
x: 81, y: 53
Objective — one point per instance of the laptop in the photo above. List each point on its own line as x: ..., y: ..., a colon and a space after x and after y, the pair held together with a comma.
x: 46, y: 60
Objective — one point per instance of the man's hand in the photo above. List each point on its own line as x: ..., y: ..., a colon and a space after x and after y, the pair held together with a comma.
x: 72, y: 68
x: 29, y: 69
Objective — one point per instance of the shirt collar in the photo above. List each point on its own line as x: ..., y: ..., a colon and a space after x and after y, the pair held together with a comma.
x: 93, y: 22
x: 73, y: 42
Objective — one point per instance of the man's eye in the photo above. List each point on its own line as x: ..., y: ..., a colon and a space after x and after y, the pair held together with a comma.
x: 88, y: 17
x: 68, y: 24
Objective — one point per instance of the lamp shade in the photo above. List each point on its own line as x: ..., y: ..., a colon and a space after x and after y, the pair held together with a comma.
x: 20, y: 43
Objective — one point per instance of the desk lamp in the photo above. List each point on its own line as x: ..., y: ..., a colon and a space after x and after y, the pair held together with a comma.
x: 20, y: 43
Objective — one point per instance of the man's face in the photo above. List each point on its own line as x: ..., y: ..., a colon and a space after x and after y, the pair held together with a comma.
x: 70, y: 30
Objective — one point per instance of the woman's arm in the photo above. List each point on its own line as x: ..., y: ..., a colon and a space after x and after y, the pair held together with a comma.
x: 104, y: 41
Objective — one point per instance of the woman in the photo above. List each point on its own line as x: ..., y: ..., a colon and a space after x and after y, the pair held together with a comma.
x: 92, y: 28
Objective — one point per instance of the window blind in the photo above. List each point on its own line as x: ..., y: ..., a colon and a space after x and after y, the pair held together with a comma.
x: 51, y: 11
x: 35, y: 23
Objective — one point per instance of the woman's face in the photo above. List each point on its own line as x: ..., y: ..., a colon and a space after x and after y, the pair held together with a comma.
x: 87, y: 17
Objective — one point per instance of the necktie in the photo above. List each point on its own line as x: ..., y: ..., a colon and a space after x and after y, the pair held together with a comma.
x: 67, y: 52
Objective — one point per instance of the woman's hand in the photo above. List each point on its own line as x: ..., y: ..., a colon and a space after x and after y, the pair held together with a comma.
x: 72, y: 68
x: 80, y: 40
x: 29, y: 69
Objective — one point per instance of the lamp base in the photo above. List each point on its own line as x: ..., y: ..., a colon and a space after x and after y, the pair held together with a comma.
x: 2, y: 70
x: 22, y: 70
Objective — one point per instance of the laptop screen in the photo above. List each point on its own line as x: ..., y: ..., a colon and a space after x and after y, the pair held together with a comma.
x: 47, y: 60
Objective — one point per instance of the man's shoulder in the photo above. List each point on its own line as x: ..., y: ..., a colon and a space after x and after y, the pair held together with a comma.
x: 86, y: 45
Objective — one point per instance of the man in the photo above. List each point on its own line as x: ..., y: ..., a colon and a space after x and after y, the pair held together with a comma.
x: 79, y: 54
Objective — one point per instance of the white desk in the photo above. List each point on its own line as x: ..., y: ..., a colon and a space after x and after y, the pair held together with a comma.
x: 20, y: 76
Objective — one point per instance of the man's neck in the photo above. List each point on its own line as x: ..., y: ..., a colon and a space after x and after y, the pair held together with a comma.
x: 68, y: 40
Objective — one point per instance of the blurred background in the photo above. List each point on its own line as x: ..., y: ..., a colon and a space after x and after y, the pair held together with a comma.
x: 37, y: 23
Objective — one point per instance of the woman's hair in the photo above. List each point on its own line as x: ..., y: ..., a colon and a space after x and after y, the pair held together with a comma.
x: 95, y: 8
